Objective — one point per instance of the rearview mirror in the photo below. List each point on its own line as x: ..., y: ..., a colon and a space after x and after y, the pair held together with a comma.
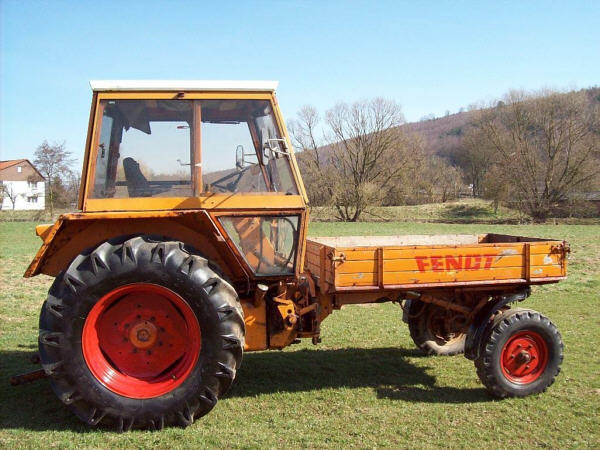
x: 241, y: 161
x: 239, y: 158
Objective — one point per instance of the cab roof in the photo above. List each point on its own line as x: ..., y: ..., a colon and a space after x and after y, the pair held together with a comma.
x: 183, y: 85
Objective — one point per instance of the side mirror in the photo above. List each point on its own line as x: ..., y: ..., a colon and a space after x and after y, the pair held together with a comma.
x: 239, y: 158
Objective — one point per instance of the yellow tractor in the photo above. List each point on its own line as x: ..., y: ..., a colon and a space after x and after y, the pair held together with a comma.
x: 191, y: 248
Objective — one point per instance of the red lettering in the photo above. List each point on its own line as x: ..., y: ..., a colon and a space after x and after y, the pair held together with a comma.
x: 421, y: 262
x: 436, y: 263
x: 453, y: 262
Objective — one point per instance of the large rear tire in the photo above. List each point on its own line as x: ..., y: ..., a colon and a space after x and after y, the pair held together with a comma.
x: 520, y: 354
x: 432, y: 331
x: 141, y: 334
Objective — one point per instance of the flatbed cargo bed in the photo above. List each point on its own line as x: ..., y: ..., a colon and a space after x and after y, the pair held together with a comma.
x: 371, y: 263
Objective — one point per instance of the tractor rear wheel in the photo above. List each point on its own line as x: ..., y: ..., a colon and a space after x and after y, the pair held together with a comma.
x: 141, y: 334
x: 435, y: 330
x: 520, y: 354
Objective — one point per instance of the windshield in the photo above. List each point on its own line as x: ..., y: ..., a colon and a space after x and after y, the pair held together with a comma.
x: 183, y: 148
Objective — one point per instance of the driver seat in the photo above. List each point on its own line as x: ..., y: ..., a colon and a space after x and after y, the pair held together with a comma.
x: 137, y: 184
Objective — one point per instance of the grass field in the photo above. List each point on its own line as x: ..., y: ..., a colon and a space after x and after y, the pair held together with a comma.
x: 464, y: 211
x: 364, y: 386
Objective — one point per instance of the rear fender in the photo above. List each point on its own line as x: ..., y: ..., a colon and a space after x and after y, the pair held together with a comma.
x: 482, y: 320
x: 74, y: 233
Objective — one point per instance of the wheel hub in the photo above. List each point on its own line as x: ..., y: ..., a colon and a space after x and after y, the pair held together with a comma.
x: 141, y: 340
x: 524, y: 357
x: 143, y: 334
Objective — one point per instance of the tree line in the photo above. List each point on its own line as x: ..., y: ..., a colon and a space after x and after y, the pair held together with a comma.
x: 55, y: 163
x: 538, y: 152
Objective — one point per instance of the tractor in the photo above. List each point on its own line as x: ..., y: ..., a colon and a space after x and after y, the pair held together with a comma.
x: 190, y: 248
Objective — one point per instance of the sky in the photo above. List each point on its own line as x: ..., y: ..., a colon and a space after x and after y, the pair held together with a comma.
x: 429, y: 56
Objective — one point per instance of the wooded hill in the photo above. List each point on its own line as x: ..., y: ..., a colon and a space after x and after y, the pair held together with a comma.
x: 537, y: 152
x: 442, y: 136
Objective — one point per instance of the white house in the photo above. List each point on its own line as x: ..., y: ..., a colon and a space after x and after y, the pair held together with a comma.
x: 22, y: 187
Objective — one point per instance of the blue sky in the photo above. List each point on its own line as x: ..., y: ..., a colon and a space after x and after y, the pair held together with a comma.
x: 428, y: 56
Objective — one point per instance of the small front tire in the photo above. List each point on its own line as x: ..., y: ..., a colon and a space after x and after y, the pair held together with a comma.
x: 520, y: 354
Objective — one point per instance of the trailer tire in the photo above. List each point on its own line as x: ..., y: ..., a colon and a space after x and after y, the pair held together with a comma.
x: 520, y: 354
x: 420, y: 318
x: 141, y: 333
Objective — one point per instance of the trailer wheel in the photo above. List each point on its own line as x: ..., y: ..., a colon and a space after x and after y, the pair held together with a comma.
x: 141, y: 334
x: 435, y: 330
x: 520, y: 355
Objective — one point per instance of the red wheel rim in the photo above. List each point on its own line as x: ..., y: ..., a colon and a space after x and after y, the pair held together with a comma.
x: 524, y: 357
x: 141, y: 340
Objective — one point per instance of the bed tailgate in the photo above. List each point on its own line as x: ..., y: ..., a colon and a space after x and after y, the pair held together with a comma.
x: 417, y: 262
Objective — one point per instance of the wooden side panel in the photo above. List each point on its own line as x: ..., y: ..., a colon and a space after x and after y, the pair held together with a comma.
x: 378, y: 267
x: 319, y: 262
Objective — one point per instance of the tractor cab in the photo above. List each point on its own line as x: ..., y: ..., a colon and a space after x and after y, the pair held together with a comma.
x: 214, y: 152
x: 184, y: 148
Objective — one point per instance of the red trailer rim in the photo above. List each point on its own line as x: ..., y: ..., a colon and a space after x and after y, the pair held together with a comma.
x: 524, y: 357
x: 141, y: 340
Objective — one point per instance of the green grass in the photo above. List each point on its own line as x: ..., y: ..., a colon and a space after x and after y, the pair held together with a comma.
x: 41, y: 216
x: 461, y: 211
x: 364, y: 386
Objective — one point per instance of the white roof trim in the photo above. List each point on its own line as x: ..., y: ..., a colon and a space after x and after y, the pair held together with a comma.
x: 182, y: 85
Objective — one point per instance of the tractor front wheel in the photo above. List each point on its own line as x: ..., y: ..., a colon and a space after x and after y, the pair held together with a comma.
x: 520, y: 354
x: 141, y: 334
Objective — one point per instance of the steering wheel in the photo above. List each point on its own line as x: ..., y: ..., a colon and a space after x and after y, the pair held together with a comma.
x: 232, y: 185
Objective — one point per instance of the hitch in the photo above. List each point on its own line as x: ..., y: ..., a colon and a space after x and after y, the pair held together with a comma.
x: 27, y: 377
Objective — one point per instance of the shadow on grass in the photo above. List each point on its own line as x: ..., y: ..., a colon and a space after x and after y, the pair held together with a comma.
x: 387, y: 370
x: 34, y: 407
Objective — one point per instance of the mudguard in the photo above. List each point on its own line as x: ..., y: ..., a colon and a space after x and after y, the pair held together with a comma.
x: 482, y: 319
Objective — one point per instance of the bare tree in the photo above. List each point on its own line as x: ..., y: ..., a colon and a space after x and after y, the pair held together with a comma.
x: 314, y: 159
x: 475, y: 156
x: 355, y: 163
x: 8, y: 191
x: 53, y: 162
x: 369, y: 152
x: 443, y: 179
x: 496, y: 186
x: 548, y: 146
